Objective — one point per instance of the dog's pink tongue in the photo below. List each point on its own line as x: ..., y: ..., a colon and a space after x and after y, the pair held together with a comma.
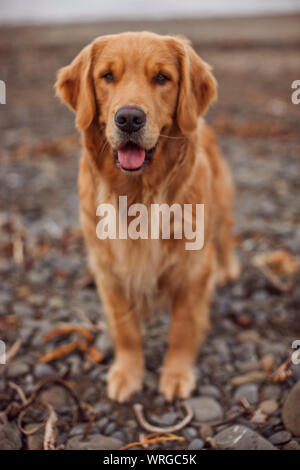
x: 131, y: 157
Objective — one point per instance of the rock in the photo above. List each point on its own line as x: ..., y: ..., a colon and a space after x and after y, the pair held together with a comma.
x: 271, y: 392
x: 292, y: 445
x: 102, y: 423
x: 104, y: 344
x: 248, y: 391
x: 291, y: 410
x: 77, y: 430
x: 268, y: 362
x: 196, y: 444
x: 55, y: 396
x: 239, y: 437
x: 255, y: 376
x: 17, y: 368
x: 248, y: 336
x: 276, y: 349
x: 268, y: 407
x: 94, y: 442
x: 190, y: 433
x: 210, y: 391
x: 247, y: 366
x: 43, y: 370
x: 10, y: 437
x: 280, y: 437
x: 166, y: 419
x: 110, y: 428
x: 35, y: 441
x: 206, y: 409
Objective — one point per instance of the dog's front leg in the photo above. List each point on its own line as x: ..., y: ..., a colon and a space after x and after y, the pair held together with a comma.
x: 126, y: 374
x: 190, y: 321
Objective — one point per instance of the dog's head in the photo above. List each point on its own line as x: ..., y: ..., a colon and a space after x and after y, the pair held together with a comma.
x: 137, y: 86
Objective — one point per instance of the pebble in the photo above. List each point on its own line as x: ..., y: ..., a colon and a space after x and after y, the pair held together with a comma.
x: 94, y: 442
x: 280, y: 437
x: 210, y: 391
x: 55, y: 396
x: 239, y: 437
x: 190, y: 433
x: 102, y: 423
x: 10, y: 436
x: 206, y: 409
x: 268, y: 407
x: 110, y: 428
x: 35, y: 441
x: 166, y: 419
x: 292, y: 445
x: 248, y: 391
x: 276, y: 349
x: 249, y: 336
x: 271, y: 392
x: 17, y: 368
x: 291, y: 410
x: 268, y: 362
x: 43, y: 370
x: 255, y: 376
x: 104, y: 344
x: 196, y: 444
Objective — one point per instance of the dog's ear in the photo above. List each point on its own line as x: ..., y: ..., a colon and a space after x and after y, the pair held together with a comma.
x: 74, y: 86
x: 198, y: 87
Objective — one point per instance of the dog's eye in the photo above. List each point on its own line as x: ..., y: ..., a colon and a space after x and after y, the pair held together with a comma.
x: 108, y: 77
x: 160, y: 79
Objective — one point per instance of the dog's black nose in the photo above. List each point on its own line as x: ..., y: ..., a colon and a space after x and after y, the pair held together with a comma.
x: 130, y: 119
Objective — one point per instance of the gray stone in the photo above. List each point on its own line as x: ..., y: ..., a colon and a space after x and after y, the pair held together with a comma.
x: 210, y: 391
x: 55, y: 396
x: 190, y: 433
x: 35, y: 441
x: 166, y: 419
x: 206, y: 409
x: 110, y: 428
x: 239, y: 437
x: 196, y: 444
x: 102, y: 423
x: 94, y: 442
x: 17, y: 368
x: 268, y: 407
x: 280, y: 437
x: 271, y: 392
x: 292, y: 445
x: 276, y: 349
x: 248, y: 391
x: 43, y: 370
x: 291, y: 410
x: 104, y: 344
x: 10, y: 437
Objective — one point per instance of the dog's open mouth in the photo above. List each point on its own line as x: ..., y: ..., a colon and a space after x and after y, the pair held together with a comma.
x: 131, y: 157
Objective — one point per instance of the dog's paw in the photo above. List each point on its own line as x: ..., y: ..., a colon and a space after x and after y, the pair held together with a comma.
x: 176, y: 383
x: 123, y: 382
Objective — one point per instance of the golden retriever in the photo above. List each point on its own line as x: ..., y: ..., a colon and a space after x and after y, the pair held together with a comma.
x: 139, y: 99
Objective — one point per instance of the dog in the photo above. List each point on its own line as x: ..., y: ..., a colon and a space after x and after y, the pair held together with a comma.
x: 139, y: 100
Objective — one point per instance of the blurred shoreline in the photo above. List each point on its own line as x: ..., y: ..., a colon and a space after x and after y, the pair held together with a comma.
x: 283, y: 30
x: 68, y: 11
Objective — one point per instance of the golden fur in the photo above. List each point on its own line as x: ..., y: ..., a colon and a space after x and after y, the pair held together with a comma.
x: 133, y: 276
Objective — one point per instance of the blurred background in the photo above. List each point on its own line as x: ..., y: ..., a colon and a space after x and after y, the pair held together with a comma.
x: 254, y: 50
